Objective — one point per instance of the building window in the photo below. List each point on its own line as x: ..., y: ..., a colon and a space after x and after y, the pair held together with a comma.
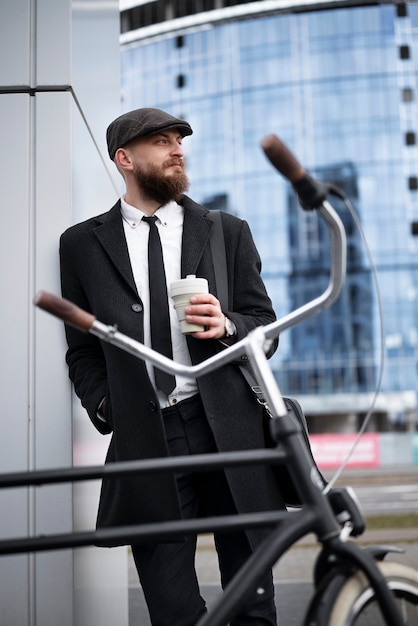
x: 401, y: 9
x: 413, y: 183
x: 410, y: 138
x: 181, y: 81
x: 407, y: 94
x: 404, y: 52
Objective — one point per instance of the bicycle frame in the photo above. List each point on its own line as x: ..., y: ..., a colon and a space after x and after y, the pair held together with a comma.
x: 316, y: 515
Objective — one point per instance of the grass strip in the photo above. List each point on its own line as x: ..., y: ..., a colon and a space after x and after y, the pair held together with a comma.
x: 376, y: 522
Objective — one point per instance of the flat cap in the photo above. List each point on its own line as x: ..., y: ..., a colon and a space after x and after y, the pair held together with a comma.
x: 141, y: 122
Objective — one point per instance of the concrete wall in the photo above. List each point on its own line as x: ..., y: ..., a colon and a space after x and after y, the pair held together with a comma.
x: 52, y: 175
x: 398, y: 449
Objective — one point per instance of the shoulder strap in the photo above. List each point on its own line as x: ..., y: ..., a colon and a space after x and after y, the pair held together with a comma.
x: 217, y: 244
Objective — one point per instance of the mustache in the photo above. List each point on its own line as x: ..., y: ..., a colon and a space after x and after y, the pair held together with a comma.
x: 174, y: 161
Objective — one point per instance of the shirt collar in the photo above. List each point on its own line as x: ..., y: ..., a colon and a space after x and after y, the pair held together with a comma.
x: 133, y: 216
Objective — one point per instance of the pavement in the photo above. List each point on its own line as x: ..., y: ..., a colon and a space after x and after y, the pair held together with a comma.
x: 298, y: 563
x: 293, y: 572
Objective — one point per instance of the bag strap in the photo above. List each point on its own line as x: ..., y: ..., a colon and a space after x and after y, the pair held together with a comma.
x: 217, y: 244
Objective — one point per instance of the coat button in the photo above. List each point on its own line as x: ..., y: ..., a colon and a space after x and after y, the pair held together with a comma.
x: 152, y: 406
x: 136, y: 308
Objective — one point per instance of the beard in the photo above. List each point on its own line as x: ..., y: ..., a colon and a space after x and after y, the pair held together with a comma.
x: 157, y: 186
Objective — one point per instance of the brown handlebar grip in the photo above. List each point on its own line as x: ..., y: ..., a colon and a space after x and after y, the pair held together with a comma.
x: 283, y: 160
x: 65, y: 310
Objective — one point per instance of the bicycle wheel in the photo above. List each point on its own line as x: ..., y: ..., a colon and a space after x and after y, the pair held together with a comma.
x: 354, y: 603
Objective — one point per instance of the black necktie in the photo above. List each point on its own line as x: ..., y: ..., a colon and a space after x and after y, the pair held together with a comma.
x: 159, y: 315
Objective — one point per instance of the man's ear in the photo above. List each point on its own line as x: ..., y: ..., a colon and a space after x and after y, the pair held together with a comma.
x: 123, y: 159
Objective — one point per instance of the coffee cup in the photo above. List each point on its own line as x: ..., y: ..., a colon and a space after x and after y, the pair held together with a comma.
x: 181, y: 291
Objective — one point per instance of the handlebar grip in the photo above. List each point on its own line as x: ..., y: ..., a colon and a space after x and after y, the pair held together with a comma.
x: 65, y: 310
x: 281, y: 158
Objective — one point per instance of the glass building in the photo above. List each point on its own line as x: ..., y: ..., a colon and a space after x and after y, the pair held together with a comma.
x: 338, y: 84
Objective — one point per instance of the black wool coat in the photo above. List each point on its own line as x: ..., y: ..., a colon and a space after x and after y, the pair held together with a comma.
x: 96, y: 275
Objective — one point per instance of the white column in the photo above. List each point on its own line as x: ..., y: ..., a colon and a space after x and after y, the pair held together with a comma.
x: 52, y: 176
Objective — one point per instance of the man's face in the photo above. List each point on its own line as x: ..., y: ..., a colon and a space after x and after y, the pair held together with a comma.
x: 158, y: 166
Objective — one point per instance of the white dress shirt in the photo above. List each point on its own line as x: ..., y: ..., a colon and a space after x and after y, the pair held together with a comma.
x: 170, y: 227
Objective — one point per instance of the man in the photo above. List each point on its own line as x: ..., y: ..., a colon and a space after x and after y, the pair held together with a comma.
x: 104, y: 268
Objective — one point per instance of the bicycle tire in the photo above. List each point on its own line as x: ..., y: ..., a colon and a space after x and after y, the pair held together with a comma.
x: 354, y: 602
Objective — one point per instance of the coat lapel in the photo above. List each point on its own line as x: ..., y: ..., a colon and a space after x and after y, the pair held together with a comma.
x: 111, y: 235
x: 196, y: 232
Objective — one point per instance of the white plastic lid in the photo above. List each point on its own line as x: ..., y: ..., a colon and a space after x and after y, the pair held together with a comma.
x: 190, y: 284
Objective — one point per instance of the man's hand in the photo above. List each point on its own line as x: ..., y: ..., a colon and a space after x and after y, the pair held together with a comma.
x: 205, y: 309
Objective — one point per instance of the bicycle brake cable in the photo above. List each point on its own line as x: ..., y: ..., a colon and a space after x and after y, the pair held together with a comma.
x: 366, y: 420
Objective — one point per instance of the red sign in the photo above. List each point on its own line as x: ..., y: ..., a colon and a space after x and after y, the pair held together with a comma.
x: 330, y: 451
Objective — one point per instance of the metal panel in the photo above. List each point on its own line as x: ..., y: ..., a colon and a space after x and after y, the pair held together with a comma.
x: 53, y: 39
x: 15, y: 354
x: 53, y: 443
x: 14, y: 42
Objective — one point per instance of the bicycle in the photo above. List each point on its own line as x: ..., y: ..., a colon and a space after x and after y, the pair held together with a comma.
x: 354, y: 586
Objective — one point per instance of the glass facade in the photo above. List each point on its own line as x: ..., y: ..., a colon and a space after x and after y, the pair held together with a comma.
x: 339, y: 87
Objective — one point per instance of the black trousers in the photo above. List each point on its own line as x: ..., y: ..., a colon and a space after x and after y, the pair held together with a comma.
x: 167, y: 571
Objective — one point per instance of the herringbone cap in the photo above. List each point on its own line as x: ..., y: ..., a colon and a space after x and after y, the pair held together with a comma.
x: 141, y: 122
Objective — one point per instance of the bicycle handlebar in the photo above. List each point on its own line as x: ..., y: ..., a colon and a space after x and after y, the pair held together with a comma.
x: 281, y: 158
x: 65, y: 310
x: 311, y: 192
